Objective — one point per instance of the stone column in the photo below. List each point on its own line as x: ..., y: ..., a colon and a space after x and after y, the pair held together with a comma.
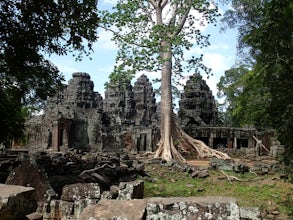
x: 235, y: 143
x: 149, y: 141
x: 55, y: 136
x: 211, y: 139
x: 211, y: 142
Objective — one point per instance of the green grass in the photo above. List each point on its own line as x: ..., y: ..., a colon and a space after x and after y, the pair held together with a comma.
x: 166, y: 182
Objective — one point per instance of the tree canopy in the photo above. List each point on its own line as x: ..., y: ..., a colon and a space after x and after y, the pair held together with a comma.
x: 29, y: 30
x: 266, y: 40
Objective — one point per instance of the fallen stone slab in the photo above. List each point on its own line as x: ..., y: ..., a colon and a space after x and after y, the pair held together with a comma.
x: 176, y: 208
x: 34, y: 216
x: 29, y: 174
x: 192, y: 208
x: 16, y: 201
x: 115, y: 209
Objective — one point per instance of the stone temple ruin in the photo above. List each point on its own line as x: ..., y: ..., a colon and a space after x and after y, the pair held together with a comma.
x: 80, y: 118
x: 128, y: 117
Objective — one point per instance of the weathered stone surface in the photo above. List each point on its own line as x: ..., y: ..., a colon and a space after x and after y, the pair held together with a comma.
x: 131, y: 190
x: 240, y: 167
x: 197, y: 104
x: 80, y: 205
x: 29, y: 174
x: 200, y: 174
x: 16, y: 201
x: 221, y: 164
x: 59, y: 209
x: 115, y: 209
x: 176, y: 208
x: 34, y: 216
x: 192, y: 208
x: 145, y: 102
x: 80, y: 191
x: 250, y: 213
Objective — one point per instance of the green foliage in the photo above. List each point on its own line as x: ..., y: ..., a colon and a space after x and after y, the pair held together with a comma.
x: 139, y: 29
x: 265, y: 32
x: 246, y: 97
x: 30, y: 29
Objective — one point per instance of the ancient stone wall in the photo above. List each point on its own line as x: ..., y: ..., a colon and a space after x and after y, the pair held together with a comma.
x: 128, y: 116
x: 79, y: 118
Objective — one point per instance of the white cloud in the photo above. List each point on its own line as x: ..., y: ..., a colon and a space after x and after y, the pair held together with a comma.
x: 151, y: 75
x: 218, y: 62
x: 105, y: 41
x: 109, y: 2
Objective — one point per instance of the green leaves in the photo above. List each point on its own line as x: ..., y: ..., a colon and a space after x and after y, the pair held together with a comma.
x: 140, y: 27
x: 30, y: 29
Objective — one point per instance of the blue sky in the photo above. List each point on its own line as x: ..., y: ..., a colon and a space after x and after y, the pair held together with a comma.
x: 219, y: 56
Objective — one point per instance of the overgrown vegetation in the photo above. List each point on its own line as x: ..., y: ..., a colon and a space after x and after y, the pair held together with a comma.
x: 166, y: 181
x: 259, y: 89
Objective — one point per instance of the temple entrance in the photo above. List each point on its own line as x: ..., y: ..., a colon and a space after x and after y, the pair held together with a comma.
x: 60, y: 134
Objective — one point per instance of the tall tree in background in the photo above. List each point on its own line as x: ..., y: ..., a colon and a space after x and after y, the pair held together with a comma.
x: 152, y: 36
x: 245, y: 99
x: 266, y: 34
x: 28, y: 30
x: 266, y: 37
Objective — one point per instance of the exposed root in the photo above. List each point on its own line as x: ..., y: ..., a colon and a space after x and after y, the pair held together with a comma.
x: 166, y: 149
x: 201, y: 148
x: 234, y: 178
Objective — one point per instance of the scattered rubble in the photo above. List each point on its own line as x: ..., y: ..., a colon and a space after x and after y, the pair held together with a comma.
x: 64, y: 184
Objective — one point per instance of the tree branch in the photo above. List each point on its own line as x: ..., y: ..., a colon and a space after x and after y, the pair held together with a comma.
x: 121, y: 37
x: 164, y: 3
x: 154, y: 4
x: 182, y: 21
x: 149, y: 14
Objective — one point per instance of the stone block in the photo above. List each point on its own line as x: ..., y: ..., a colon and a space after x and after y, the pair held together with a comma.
x: 34, y: 216
x: 79, y: 191
x: 80, y: 205
x: 60, y: 210
x: 16, y: 201
x: 115, y: 209
x: 250, y: 213
x: 192, y: 208
x: 131, y: 190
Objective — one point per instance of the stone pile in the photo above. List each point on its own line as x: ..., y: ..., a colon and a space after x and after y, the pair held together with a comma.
x: 76, y: 185
x: 67, y: 182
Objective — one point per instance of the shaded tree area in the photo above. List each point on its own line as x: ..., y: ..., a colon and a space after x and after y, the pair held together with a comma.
x: 266, y: 41
x: 153, y: 36
x: 30, y: 29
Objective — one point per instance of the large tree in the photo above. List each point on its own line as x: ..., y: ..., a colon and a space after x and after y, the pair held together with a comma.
x: 30, y: 29
x: 152, y: 35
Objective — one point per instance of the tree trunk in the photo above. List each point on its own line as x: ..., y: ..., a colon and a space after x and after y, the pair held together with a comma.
x: 170, y: 131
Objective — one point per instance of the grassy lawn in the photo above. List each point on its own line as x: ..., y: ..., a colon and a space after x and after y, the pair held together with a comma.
x: 256, y: 191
